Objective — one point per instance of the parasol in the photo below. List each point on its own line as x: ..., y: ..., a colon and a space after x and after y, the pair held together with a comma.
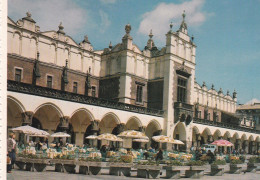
x: 163, y: 139
x: 109, y: 137
x: 141, y: 140
x: 60, y: 134
x: 178, y: 142
x: 31, y: 131
x: 222, y: 142
x: 91, y: 137
x: 133, y: 134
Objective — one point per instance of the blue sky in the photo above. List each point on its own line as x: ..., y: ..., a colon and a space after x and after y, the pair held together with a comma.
x: 227, y: 33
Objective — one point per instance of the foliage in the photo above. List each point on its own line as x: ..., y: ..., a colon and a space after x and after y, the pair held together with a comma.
x: 149, y: 162
x: 90, y: 159
x: 219, y: 162
x: 195, y: 163
x: 204, y: 158
x: 254, y: 159
x: 174, y: 163
x: 242, y: 158
x: 236, y: 161
x: 122, y: 159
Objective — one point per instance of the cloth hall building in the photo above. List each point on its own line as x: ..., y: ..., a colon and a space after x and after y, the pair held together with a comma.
x: 56, y: 84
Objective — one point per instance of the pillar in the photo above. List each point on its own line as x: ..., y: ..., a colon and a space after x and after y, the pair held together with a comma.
x: 198, y: 139
x: 27, y: 117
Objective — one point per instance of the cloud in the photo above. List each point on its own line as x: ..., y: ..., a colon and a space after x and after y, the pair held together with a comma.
x: 108, y: 1
x: 105, y: 22
x: 49, y: 13
x: 159, y: 19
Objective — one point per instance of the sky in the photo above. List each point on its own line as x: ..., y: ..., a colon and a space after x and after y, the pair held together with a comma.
x: 227, y: 32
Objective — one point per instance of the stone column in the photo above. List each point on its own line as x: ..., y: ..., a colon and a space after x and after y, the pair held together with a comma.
x: 64, y: 125
x: 210, y: 138
x: 238, y: 144
x: 198, y: 139
x: 246, y: 146
x: 27, y: 117
x: 94, y: 130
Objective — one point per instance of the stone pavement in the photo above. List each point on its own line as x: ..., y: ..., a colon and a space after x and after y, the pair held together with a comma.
x: 50, y: 174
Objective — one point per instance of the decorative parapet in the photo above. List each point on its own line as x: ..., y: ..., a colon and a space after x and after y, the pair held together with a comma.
x: 225, y: 125
x: 67, y: 96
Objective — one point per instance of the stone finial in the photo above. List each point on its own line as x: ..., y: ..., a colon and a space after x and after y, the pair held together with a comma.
x: 86, y: 39
x: 110, y: 45
x: 171, y: 25
x: 183, y: 27
x: 183, y: 15
x: 151, y: 34
x: 227, y: 92
x: 66, y: 63
x: 38, y: 55
x: 212, y: 87
x: 204, y: 84
x: 192, y: 38
x: 128, y: 28
x: 234, y: 94
x: 28, y: 14
x: 220, y: 91
x: 61, y: 28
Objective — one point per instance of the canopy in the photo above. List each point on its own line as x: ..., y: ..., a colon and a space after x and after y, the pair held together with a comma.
x: 109, y: 137
x: 60, y: 134
x: 133, y: 134
x: 91, y: 137
x: 141, y: 140
x: 222, y: 142
x: 178, y: 142
x: 30, y: 131
x: 163, y: 139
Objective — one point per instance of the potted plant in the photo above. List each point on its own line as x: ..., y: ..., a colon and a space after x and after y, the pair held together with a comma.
x: 122, y: 165
x: 237, y: 166
x: 217, y: 167
x: 173, y: 169
x: 253, y: 163
x: 196, y: 170
x: 145, y: 169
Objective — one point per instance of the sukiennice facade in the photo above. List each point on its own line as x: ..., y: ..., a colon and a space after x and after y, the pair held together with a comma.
x: 56, y: 84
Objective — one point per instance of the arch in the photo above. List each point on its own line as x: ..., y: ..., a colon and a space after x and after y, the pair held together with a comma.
x: 227, y: 135
x: 196, y: 130
x: 257, y: 139
x: 15, y: 109
x: 244, y: 137
x: 207, y: 130
x: 133, y: 123
x: 251, y: 138
x: 85, y: 110
x: 206, y: 133
x: 20, y: 105
x: 217, y: 134
x: 236, y: 136
x: 52, y: 105
x: 156, y: 123
x: 113, y: 115
x: 49, y: 115
x: 108, y: 123
x: 180, y: 131
x: 81, y: 119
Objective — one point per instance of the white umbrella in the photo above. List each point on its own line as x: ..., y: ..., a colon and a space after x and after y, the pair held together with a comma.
x: 141, y: 140
x: 91, y: 137
x: 30, y: 131
x: 163, y: 139
x: 133, y: 134
x: 60, y: 134
x: 178, y: 142
x: 109, y: 137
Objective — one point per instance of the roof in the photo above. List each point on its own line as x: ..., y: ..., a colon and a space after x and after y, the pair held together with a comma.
x: 249, y: 106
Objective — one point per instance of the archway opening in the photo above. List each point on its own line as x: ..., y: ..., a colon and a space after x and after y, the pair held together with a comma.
x: 206, y: 136
x: 153, y: 129
x: 180, y: 134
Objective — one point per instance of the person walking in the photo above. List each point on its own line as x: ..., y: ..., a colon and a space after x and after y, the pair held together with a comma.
x: 159, y: 155
x: 11, y: 146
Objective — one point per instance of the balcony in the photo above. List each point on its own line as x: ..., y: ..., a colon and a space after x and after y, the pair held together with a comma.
x: 225, y: 125
x: 183, y: 112
x: 67, y: 96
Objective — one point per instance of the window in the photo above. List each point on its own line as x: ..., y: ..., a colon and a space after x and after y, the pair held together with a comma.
x: 181, y: 91
x: 208, y: 116
x: 18, y: 75
x: 139, y: 94
x: 93, y: 91
x: 199, y: 114
x: 75, y: 87
x: 49, y: 81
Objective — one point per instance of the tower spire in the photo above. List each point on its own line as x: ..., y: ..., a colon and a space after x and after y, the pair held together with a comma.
x: 183, y: 26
